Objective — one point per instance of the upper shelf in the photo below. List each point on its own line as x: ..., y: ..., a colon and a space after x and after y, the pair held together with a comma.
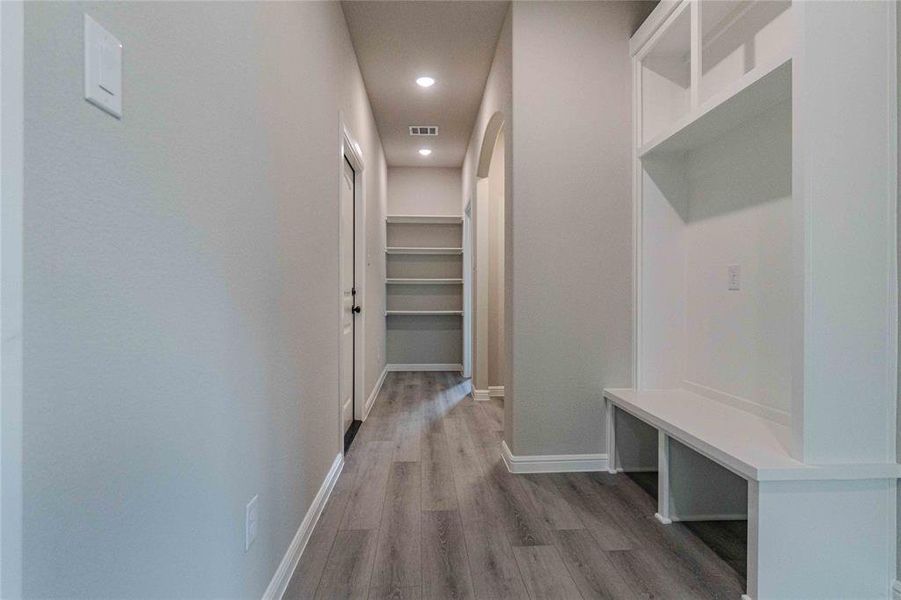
x: 758, y: 90
x: 397, y: 281
x: 399, y: 250
x: 432, y: 219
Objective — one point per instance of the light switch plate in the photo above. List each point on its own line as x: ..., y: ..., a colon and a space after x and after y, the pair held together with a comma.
x: 102, y: 68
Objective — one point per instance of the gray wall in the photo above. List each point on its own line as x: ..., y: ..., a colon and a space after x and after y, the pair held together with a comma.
x: 496, y: 353
x: 180, y: 300
x: 496, y: 99
x: 423, y: 191
x: 571, y: 293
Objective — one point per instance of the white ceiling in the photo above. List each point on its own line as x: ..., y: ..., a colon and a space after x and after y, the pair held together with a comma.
x: 452, y: 41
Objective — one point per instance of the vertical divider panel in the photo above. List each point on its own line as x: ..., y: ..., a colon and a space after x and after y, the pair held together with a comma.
x: 695, y: 56
x: 663, y: 486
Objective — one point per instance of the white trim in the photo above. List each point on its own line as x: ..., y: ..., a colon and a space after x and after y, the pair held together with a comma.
x: 375, y: 393
x: 350, y: 150
x: 896, y: 590
x: 467, y: 289
x: 279, y: 583
x: 480, y: 395
x: 651, y: 24
x: 421, y: 250
x: 710, y: 517
x: 425, y: 367
x: 662, y: 519
x: 426, y: 219
x: 496, y: 391
x: 553, y: 463
x: 755, y: 408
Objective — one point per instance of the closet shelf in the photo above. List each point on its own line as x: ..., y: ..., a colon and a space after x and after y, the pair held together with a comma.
x: 423, y: 312
x: 424, y: 281
x: 758, y: 90
x: 400, y: 250
x: 430, y: 219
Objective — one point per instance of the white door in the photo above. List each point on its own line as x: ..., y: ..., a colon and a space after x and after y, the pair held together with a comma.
x: 347, y: 296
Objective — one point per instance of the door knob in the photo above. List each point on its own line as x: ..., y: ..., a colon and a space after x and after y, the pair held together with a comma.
x: 357, y: 309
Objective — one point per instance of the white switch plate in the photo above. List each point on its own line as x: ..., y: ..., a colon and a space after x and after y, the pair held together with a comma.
x: 102, y: 68
x: 734, y: 274
x: 251, y: 522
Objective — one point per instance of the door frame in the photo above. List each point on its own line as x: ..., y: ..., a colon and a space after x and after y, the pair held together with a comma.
x: 350, y: 150
x: 467, y: 290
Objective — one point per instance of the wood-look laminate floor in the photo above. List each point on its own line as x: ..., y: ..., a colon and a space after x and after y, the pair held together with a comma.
x: 426, y: 509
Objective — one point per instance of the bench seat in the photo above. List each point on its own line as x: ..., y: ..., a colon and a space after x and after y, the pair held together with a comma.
x: 751, y: 446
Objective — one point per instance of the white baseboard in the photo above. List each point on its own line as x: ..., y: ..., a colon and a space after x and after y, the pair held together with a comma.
x: 375, y: 393
x: 553, y: 463
x: 710, y: 517
x: 426, y: 367
x: 663, y: 519
x: 279, y: 583
x: 496, y: 391
x: 896, y: 590
x: 480, y: 395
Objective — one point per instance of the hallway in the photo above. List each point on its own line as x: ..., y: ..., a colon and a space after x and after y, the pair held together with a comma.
x: 425, y: 508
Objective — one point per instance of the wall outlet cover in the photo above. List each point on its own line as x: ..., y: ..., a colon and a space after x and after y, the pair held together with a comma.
x: 734, y: 275
x: 251, y: 522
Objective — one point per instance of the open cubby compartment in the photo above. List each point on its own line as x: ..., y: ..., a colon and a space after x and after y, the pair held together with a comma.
x: 699, y: 491
x: 425, y: 297
x: 665, y: 75
x: 716, y: 316
x: 431, y: 235
x: 741, y: 36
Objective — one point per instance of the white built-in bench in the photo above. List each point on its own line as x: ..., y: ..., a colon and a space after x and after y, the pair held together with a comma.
x: 782, y: 524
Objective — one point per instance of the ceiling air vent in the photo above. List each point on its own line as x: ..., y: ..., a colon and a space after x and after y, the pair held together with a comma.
x: 423, y: 130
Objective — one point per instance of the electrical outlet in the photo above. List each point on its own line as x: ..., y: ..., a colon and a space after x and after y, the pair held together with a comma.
x: 251, y: 522
x: 734, y: 275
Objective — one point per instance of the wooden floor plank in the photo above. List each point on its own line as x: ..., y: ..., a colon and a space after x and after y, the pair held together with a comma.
x: 412, y: 592
x: 349, y: 566
x: 612, y: 531
x: 492, y: 564
x: 590, y: 567
x: 556, y: 512
x: 457, y: 524
x: 364, y: 508
x: 445, y: 568
x: 438, y: 489
x: 397, y: 559
x: 544, y: 573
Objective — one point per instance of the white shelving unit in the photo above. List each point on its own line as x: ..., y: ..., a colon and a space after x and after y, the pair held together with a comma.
x: 424, y: 281
x: 765, y: 283
x: 422, y: 250
x: 425, y: 219
x: 424, y: 289
x: 424, y: 313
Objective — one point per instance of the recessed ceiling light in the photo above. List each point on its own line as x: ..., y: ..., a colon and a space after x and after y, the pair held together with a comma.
x: 425, y: 151
x: 425, y: 82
